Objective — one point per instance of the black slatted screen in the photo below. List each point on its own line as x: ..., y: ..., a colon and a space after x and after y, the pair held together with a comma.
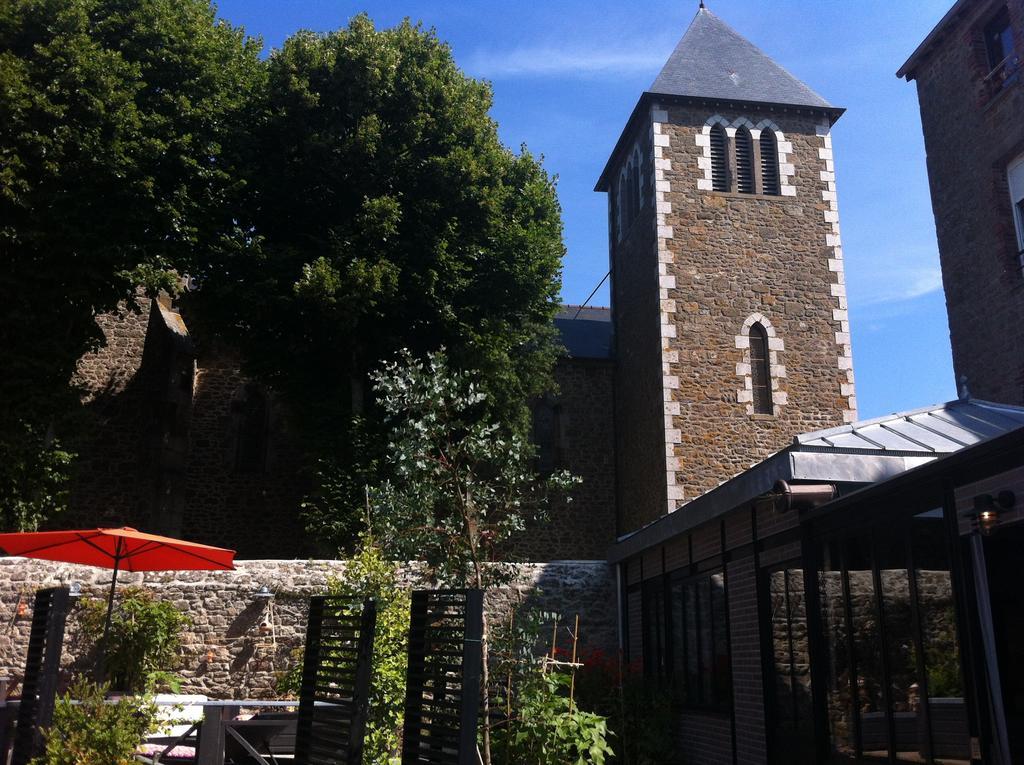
x: 719, y: 162
x: 336, y: 669
x: 769, y: 163
x: 442, y: 696
x: 39, y: 688
x: 744, y: 162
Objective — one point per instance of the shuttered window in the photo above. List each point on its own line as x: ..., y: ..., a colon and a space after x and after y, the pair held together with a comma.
x: 760, y: 372
x: 744, y: 162
x: 769, y: 163
x: 719, y: 167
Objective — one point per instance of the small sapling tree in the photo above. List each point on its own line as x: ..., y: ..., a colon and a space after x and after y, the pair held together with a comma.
x: 459, y: 488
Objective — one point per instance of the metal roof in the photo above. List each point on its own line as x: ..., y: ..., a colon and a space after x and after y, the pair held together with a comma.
x: 714, y: 61
x: 934, y: 430
x: 586, y: 333
x: 862, y: 454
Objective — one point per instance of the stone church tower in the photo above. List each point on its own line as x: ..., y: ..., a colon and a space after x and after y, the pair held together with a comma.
x: 729, y: 306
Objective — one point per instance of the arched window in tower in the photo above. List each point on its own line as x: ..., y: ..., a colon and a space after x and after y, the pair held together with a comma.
x: 744, y: 162
x: 719, y: 162
x: 634, y: 192
x: 547, y: 435
x: 250, y: 413
x: 769, y: 163
x: 760, y: 371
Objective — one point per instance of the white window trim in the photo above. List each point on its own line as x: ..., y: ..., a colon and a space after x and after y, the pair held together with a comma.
x: 776, y: 369
x: 783, y: 147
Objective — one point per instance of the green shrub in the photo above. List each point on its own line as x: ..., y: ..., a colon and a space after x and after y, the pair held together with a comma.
x: 93, y: 732
x: 543, y: 721
x: 144, y: 640
x: 547, y: 728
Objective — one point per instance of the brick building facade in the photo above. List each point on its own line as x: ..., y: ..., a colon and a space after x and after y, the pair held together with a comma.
x: 968, y: 75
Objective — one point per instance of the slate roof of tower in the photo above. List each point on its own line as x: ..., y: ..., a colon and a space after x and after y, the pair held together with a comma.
x: 712, y: 60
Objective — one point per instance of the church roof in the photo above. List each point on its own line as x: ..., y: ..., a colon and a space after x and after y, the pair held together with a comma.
x: 712, y: 60
x: 585, y: 332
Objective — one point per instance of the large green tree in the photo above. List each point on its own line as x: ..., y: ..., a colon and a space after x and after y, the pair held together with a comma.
x: 119, y: 131
x: 388, y: 215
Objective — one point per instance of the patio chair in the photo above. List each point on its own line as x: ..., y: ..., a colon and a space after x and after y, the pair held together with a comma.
x: 175, y: 738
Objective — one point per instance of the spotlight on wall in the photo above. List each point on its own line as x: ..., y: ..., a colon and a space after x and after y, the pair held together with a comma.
x: 263, y: 593
x: 987, y: 508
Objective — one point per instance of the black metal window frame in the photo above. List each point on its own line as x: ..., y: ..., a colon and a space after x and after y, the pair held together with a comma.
x: 711, y: 690
x: 998, y: 34
x: 873, y: 537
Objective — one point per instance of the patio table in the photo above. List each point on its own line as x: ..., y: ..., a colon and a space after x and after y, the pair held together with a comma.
x: 218, y: 712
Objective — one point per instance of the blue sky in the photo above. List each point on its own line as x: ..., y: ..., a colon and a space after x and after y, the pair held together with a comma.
x: 567, y: 73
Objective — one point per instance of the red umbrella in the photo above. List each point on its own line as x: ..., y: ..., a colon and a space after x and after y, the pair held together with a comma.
x: 120, y: 549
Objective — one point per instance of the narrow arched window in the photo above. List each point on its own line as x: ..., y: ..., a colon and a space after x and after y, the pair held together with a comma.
x: 744, y: 162
x: 719, y: 162
x: 769, y: 163
x: 760, y: 370
x: 547, y: 436
x: 635, y: 190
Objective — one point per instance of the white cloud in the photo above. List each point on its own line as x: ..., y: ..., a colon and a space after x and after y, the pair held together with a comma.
x: 897, y: 284
x: 539, y: 61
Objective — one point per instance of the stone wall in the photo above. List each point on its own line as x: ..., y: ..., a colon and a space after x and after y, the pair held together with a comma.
x: 237, y: 644
x: 164, y: 422
x: 737, y: 256
x: 972, y: 132
x: 695, y: 269
x: 112, y: 479
x: 255, y: 510
x: 584, y: 528
x: 639, y: 420
x: 157, y: 445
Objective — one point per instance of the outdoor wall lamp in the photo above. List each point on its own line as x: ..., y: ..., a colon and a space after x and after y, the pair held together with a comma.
x: 263, y: 593
x: 987, y: 507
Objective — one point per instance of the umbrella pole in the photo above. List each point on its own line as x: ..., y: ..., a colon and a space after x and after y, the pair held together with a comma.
x: 102, y: 658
